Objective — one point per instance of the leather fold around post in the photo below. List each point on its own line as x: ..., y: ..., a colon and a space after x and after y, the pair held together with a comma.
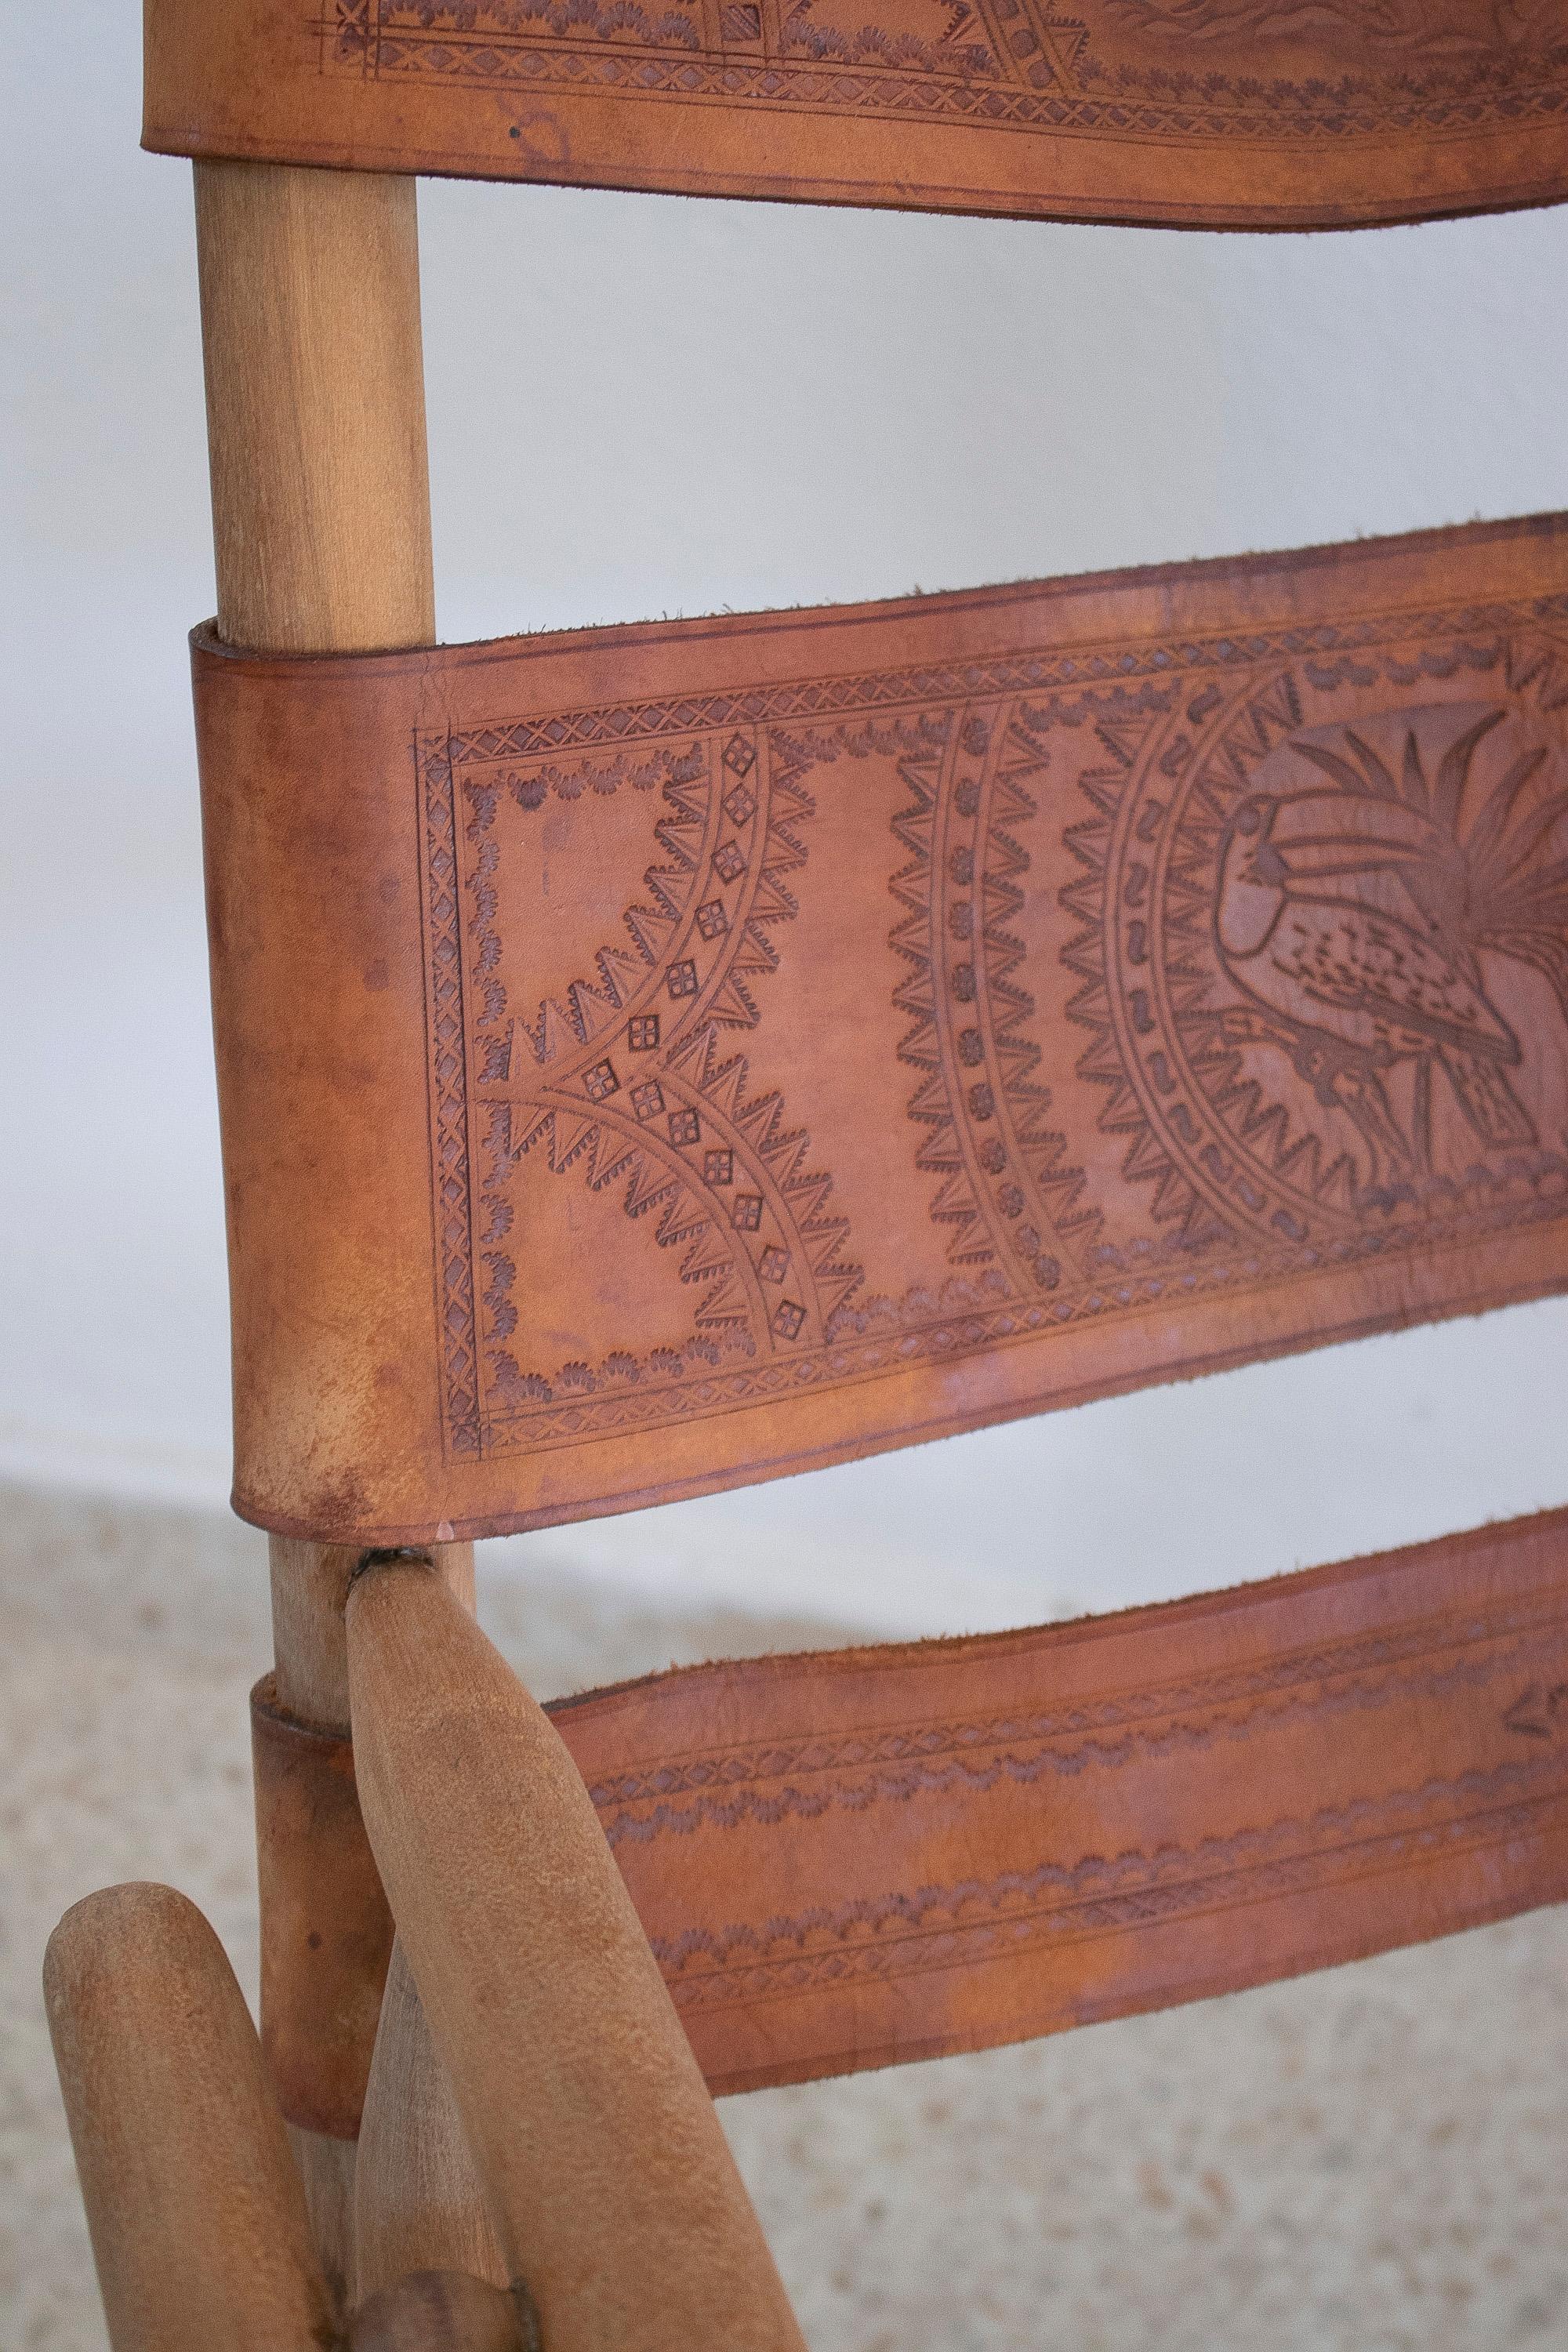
x: 1206, y: 113
x: 656, y: 1058
x: 851, y: 1860
x: 326, y: 1930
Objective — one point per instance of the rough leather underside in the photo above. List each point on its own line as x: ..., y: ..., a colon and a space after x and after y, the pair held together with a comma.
x: 657, y: 1058
x: 1252, y: 114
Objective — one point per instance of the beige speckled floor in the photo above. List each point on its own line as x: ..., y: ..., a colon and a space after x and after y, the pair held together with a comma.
x: 1362, y: 2162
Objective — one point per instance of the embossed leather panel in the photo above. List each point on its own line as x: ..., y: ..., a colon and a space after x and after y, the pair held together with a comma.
x: 849, y: 1860
x: 867, y: 1857
x: 655, y: 1058
x: 1253, y: 113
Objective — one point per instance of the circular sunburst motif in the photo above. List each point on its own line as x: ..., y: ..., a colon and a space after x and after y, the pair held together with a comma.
x: 1337, y: 949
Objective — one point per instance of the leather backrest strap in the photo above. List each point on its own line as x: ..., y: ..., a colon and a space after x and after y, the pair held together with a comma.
x: 656, y: 1058
x: 871, y: 1855
x: 1216, y: 113
x: 851, y: 1860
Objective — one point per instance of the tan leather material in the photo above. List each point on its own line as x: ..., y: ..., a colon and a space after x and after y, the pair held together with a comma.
x: 867, y: 1857
x: 326, y: 1931
x: 1249, y: 114
x: 883, y: 1854
x: 657, y: 1058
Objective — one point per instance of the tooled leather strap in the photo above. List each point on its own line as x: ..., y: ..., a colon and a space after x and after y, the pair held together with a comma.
x: 847, y: 1860
x: 877, y: 1855
x: 655, y: 1058
x: 1203, y: 112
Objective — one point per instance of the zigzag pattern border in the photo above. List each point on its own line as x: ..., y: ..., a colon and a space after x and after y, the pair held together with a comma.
x: 682, y: 1793
x: 882, y: 1336
x: 1022, y: 673
x: 1156, y: 105
x: 1056, y: 1902
x: 446, y: 1046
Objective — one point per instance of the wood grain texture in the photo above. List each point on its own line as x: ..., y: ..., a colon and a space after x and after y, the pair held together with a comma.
x: 614, y: 2193
x: 325, y: 1928
x: 310, y: 334
x: 418, y: 2205
x: 693, y: 1052
x: 442, y: 2311
x: 310, y: 1590
x: 198, y: 2222
x: 309, y: 288
x: 1216, y: 113
x: 326, y: 2169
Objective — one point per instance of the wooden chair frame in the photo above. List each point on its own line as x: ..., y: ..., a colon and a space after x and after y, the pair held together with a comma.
x: 310, y: 332
x: 544, y: 2072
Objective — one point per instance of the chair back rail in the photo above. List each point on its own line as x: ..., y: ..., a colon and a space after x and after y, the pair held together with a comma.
x: 1197, y: 113
x: 660, y: 1058
x: 865, y: 1856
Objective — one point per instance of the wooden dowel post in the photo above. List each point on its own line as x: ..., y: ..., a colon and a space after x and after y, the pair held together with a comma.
x: 197, y: 2217
x: 607, y: 2174
x: 310, y: 286
x: 309, y: 291
x: 417, y: 2201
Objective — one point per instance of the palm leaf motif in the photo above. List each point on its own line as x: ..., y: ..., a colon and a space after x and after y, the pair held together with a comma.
x: 1497, y: 876
x: 1352, y: 920
x: 1457, y: 28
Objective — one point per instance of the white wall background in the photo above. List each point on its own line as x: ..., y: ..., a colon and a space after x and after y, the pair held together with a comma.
x: 640, y: 406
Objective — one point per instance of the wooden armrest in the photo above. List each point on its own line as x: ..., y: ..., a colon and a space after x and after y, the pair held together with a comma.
x: 605, y: 2169
x: 196, y: 2212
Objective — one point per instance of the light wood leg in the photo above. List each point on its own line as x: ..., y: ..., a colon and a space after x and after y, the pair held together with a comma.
x: 310, y: 1585
x: 417, y: 2204
x: 310, y: 286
